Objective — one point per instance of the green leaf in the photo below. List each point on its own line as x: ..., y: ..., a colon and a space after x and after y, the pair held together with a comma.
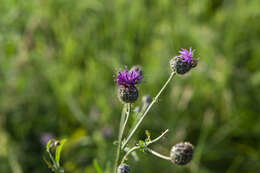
x: 141, y: 143
x: 48, y: 146
x: 58, y: 151
x: 97, y: 167
x: 142, y: 149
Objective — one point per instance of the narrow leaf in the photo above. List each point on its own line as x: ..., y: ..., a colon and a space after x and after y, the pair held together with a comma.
x: 48, y: 146
x: 58, y: 151
x: 141, y: 143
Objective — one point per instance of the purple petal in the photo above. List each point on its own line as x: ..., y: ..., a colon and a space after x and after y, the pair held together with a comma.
x: 129, y: 78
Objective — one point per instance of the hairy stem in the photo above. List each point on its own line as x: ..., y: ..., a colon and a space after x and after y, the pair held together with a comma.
x: 158, y: 138
x: 158, y: 154
x: 124, y: 118
x: 129, y: 152
x: 55, y: 166
x: 147, y: 110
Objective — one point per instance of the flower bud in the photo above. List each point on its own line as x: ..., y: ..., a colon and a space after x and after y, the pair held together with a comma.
x: 184, y: 62
x: 147, y: 99
x: 179, y: 66
x: 123, y: 168
x: 182, y: 153
x: 128, y: 94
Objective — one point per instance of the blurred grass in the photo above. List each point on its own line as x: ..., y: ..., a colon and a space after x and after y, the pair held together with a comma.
x: 58, y: 58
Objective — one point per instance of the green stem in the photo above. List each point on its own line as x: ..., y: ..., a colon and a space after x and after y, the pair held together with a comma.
x: 128, y: 152
x: 127, y: 116
x: 158, y: 154
x: 158, y: 138
x: 123, y: 123
x: 56, y: 167
x: 147, y: 110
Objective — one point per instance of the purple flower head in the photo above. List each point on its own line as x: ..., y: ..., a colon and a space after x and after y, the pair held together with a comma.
x: 45, y: 138
x: 187, y: 55
x: 129, y: 78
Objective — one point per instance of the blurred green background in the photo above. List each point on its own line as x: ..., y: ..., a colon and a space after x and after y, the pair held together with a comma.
x: 58, y: 58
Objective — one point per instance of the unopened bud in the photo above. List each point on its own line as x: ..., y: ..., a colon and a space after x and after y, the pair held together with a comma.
x: 123, y: 168
x: 182, y: 153
x: 147, y: 99
x: 179, y: 66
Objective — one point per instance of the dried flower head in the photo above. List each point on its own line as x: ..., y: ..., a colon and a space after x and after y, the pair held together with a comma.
x: 129, y: 78
x: 182, y: 153
x: 184, y: 62
x: 123, y: 168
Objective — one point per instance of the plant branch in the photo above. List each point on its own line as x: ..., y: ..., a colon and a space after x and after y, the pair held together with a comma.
x: 147, y: 110
x: 158, y: 138
x: 119, y: 134
x: 55, y: 166
x: 129, y: 152
x: 138, y: 147
x: 124, y: 118
x: 158, y: 154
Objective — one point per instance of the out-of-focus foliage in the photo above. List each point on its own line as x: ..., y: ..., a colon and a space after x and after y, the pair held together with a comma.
x: 58, y: 58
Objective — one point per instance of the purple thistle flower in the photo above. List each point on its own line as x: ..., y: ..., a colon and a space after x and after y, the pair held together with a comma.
x: 129, y: 78
x: 187, y: 55
x: 184, y: 62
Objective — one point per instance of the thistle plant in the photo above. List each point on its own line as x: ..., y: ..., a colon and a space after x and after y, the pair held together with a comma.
x: 54, y: 148
x: 127, y: 80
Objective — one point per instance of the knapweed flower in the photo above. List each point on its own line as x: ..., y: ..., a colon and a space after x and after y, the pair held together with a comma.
x: 182, y: 153
x: 123, y: 168
x: 127, y: 80
x: 130, y: 78
x: 184, y: 62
